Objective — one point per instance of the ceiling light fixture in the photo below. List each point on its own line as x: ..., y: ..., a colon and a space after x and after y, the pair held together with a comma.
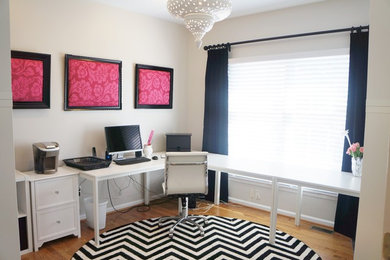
x: 200, y: 15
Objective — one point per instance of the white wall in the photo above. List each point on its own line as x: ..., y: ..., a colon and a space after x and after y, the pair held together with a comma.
x: 320, y: 16
x: 9, y: 239
x: 374, y: 209
x: 92, y: 29
x: 88, y: 28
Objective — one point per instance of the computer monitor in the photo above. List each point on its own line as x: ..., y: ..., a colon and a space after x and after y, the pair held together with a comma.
x: 123, y: 139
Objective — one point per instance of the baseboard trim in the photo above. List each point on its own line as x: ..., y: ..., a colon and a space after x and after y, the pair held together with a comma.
x: 314, y: 193
x: 125, y: 205
x: 231, y: 199
x: 282, y: 212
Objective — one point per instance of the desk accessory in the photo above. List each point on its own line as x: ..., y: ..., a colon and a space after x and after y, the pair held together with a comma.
x: 148, y: 151
x: 87, y: 163
x: 46, y: 157
x: 132, y: 160
x: 178, y: 142
x: 150, y: 137
x: 108, y: 156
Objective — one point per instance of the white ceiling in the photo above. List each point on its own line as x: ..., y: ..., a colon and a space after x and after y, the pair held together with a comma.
x: 157, y: 8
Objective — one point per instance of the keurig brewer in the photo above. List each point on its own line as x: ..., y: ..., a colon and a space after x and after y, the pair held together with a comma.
x: 46, y: 157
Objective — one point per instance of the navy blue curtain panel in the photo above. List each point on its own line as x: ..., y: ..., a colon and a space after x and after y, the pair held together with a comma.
x: 347, y: 206
x: 215, y: 131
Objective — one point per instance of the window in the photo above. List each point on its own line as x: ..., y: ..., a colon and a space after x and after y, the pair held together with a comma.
x: 289, y: 110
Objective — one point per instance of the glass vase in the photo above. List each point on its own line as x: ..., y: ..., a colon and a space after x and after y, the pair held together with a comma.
x: 357, y: 165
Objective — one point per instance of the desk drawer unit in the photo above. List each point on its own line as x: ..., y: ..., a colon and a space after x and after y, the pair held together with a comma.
x: 55, y: 221
x: 55, y: 208
x: 54, y: 192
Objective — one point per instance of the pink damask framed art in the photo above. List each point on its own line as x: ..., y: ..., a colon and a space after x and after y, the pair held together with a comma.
x: 153, y: 86
x: 92, y: 83
x: 30, y: 74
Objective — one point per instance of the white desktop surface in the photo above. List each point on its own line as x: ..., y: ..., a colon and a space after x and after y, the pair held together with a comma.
x: 115, y: 170
x: 337, y: 181
x: 61, y: 171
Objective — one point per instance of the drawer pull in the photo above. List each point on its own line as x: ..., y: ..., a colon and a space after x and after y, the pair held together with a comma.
x: 58, y: 221
x: 57, y: 192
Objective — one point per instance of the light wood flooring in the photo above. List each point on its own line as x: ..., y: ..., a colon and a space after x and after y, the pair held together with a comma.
x: 328, y: 246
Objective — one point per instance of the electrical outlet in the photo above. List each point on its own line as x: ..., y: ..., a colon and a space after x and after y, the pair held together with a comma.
x: 257, y: 195
x: 252, y: 194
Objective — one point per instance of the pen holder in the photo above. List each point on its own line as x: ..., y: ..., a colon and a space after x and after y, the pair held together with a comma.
x: 148, y: 151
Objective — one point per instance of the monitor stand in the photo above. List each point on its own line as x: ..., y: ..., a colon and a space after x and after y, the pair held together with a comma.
x: 121, y: 156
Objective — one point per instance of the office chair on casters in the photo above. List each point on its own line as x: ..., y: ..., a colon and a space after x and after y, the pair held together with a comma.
x: 185, y: 174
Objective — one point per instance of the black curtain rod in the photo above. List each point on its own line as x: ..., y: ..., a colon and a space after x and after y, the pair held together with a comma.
x: 227, y: 45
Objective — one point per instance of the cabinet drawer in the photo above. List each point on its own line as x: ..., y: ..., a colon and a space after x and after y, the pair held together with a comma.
x: 54, y: 192
x: 56, y: 221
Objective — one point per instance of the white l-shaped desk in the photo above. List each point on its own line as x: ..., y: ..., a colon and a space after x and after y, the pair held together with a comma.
x: 335, y: 181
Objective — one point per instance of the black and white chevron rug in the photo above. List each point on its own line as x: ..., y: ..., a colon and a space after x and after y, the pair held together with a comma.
x: 225, y: 238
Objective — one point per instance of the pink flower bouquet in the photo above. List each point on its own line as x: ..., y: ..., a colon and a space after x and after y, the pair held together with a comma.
x: 355, y: 150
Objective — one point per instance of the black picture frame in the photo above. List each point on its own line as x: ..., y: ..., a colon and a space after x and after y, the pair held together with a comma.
x: 139, y: 68
x: 46, y: 60
x: 117, y: 67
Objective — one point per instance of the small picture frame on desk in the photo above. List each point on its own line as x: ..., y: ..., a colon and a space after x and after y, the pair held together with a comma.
x: 30, y: 74
x: 153, y: 86
x: 92, y: 83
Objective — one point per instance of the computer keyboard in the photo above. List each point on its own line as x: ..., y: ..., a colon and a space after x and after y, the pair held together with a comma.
x: 132, y: 160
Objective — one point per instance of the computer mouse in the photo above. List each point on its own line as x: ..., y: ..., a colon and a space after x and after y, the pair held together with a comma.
x: 155, y: 157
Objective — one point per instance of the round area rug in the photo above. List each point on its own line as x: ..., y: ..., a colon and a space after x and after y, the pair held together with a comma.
x: 225, y: 238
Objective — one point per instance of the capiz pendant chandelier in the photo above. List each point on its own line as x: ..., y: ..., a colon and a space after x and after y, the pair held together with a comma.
x: 200, y: 15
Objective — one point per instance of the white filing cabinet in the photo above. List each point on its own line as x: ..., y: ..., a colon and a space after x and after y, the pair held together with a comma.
x: 54, y: 205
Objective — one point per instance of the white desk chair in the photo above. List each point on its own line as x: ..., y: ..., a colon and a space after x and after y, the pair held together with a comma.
x: 185, y: 174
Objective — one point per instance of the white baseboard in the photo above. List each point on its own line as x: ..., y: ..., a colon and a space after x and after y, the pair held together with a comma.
x: 282, y: 212
x: 231, y: 199
x: 125, y: 205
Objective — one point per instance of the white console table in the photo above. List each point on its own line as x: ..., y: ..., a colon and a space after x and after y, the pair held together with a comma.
x: 336, y: 181
x: 115, y: 171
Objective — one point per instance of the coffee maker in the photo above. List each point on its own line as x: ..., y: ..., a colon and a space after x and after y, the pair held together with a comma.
x: 46, y: 157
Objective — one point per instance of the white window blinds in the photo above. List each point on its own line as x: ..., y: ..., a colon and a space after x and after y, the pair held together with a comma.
x: 289, y: 110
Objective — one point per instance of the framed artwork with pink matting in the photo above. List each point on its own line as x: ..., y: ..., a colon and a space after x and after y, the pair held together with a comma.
x: 30, y: 75
x: 153, y: 86
x: 92, y: 83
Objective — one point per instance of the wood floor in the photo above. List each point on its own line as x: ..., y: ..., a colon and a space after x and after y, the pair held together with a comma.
x: 328, y: 246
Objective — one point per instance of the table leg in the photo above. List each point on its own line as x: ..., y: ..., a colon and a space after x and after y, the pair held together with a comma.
x: 217, y: 187
x: 299, y: 206
x: 274, y: 211
x: 146, y: 188
x: 96, y: 210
